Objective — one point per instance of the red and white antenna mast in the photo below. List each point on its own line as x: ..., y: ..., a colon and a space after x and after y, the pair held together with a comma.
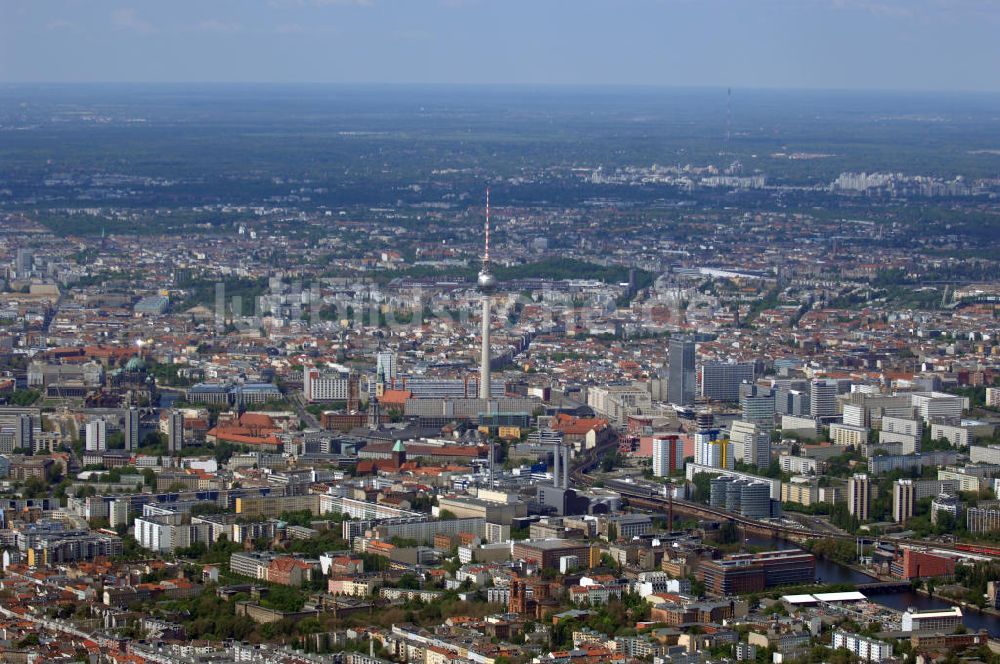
x: 486, y: 256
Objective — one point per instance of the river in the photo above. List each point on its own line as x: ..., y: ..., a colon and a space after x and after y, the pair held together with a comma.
x: 167, y: 399
x: 830, y: 572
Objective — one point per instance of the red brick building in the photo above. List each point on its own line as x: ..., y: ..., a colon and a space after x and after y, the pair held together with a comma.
x: 731, y: 577
x: 752, y: 572
x: 546, y: 553
x: 288, y: 572
x: 913, y: 564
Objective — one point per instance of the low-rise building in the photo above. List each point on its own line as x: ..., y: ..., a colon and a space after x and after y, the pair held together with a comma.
x: 933, y: 620
x: 799, y: 465
x: 800, y: 490
x: 845, y: 434
x: 914, y: 564
x: 355, y: 586
x: 862, y: 647
x: 546, y: 553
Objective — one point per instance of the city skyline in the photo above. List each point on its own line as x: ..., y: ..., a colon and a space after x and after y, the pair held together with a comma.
x: 515, y: 355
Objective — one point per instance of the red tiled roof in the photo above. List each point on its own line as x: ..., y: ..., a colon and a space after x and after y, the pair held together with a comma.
x: 395, y: 397
x: 578, y: 425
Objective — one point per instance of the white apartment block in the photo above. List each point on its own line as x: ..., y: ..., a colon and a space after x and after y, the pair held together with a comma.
x: 867, y: 410
x: 958, y: 435
x: 798, y: 465
x: 97, y: 435
x: 806, y: 427
x: 855, y: 415
x: 985, y: 454
x: 931, y: 405
x: 862, y: 646
x: 846, y: 434
x: 908, y: 444
x: 617, y: 402
x: 801, y: 490
x: 318, y: 386
x: 966, y: 481
x: 993, y: 397
x: 751, y: 443
x: 859, y: 496
x: 903, y: 425
x: 167, y: 533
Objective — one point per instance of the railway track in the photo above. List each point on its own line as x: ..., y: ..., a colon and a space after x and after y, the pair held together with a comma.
x: 643, y: 496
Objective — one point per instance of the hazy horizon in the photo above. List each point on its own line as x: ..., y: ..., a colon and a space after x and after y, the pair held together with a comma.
x: 513, y: 86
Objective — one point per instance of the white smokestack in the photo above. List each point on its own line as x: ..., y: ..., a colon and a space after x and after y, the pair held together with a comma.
x: 566, y: 467
x: 555, y: 466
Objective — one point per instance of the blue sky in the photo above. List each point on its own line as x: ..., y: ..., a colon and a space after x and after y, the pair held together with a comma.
x: 853, y: 44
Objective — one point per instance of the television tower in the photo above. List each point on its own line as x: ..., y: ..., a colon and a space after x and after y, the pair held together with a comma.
x: 487, y: 284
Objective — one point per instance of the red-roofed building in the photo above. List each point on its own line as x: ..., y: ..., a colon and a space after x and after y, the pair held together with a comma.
x: 588, y: 431
x: 394, y: 399
x: 251, y: 430
x: 288, y: 571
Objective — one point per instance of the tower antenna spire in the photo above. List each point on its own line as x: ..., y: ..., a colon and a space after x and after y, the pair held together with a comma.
x: 486, y: 255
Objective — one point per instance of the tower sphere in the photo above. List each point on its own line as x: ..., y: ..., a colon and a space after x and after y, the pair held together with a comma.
x: 486, y: 282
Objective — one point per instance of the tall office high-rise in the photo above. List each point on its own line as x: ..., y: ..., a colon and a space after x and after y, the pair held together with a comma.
x: 753, y: 443
x: 757, y: 405
x: 859, y: 496
x: 682, y: 380
x: 132, y: 429
x: 175, y: 432
x: 791, y: 400
x: 23, y: 263
x: 759, y: 451
x: 721, y: 381
x: 24, y: 433
x: 823, y: 398
x: 903, y: 500
x: 97, y: 436
x: 385, y: 362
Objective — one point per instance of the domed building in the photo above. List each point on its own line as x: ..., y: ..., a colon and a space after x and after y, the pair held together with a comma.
x: 135, y: 378
x: 134, y: 372
x: 135, y: 365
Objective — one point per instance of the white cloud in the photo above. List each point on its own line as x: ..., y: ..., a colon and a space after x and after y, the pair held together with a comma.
x: 127, y: 19
x: 215, y: 25
x: 290, y: 29
x: 888, y: 9
x: 299, y: 29
x: 60, y: 24
x: 413, y: 35
x: 289, y: 4
x: 924, y: 10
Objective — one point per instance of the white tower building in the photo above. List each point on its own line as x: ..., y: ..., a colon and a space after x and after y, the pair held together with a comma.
x: 97, y: 437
